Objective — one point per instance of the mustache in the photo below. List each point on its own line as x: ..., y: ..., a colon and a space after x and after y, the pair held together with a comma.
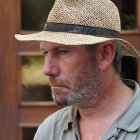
x: 60, y: 83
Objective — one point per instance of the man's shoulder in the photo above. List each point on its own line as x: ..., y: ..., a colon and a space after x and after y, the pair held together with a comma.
x: 52, y: 124
x: 58, y: 115
x: 56, y: 119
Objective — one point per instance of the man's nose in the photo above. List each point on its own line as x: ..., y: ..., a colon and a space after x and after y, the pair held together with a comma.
x: 51, y: 67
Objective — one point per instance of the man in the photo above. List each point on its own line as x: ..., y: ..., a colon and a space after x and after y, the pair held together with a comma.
x: 83, y: 53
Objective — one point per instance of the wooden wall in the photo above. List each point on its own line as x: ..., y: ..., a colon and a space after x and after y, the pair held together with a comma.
x: 13, y: 114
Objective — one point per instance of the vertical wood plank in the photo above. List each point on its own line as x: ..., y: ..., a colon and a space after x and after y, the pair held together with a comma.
x: 138, y: 27
x: 9, y: 97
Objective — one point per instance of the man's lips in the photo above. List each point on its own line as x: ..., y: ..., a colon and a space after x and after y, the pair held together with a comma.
x: 58, y: 86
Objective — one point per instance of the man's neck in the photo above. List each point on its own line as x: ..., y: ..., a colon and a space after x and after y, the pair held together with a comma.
x: 114, y: 99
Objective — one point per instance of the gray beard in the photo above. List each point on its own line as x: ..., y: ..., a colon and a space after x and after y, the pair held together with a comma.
x: 85, y: 98
x: 85, y: 93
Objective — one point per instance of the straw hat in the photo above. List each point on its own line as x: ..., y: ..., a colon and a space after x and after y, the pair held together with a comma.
x: 82, y: 22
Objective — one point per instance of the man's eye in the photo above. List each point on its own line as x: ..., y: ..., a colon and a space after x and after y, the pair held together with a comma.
x: 63, y: 51
x: 45, y: 53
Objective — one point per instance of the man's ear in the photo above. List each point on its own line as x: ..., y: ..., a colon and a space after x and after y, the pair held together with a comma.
x: 105, y: 55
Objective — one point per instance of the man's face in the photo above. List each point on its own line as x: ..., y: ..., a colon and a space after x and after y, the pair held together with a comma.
x: 73, y: 74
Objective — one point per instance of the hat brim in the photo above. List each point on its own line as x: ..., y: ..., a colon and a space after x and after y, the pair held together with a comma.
x: 77, y: 39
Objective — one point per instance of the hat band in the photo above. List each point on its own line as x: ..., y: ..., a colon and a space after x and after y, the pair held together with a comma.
x: 81, y: 29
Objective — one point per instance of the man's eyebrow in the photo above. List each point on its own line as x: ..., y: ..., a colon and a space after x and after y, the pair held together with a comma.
x: 56, y: 48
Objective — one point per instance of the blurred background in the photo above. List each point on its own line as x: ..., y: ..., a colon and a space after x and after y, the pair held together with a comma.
x: 25, y: 96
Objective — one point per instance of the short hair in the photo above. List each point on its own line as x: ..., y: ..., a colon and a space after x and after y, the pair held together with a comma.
x: 118, y: 55
x: 117, y: 61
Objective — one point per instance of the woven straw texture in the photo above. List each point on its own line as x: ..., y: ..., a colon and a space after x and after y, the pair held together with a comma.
x: 93, y: 13
x: 82, y: 12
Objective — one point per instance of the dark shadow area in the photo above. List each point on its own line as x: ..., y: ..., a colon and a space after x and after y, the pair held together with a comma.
x: 28, y: 133
x: 129, y: 66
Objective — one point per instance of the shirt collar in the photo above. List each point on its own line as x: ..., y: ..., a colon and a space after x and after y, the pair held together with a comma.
x: 72, y: 118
